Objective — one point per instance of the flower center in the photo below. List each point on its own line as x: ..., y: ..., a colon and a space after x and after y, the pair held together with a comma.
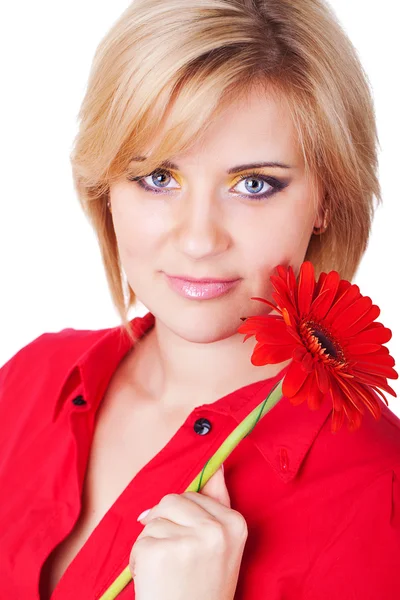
x: 325, y: 343
x: 321, y: 343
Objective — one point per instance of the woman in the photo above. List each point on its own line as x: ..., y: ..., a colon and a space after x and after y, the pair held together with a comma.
x: 184, y: 102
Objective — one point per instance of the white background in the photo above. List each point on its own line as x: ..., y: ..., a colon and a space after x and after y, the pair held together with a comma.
x: 50, y: 267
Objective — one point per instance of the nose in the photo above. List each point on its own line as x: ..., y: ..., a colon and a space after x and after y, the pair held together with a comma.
x: 199, y: 230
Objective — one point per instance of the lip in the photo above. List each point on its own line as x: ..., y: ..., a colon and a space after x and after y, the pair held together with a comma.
x: 200, y: 289
x: 201, y: 280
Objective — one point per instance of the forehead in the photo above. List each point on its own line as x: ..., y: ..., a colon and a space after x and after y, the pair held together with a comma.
x: 253, y: 126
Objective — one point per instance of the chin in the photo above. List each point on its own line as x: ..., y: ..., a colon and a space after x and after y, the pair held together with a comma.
x: 202, y: 323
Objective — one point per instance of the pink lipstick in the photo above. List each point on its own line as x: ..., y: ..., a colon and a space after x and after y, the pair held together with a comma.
x: 200, y: 289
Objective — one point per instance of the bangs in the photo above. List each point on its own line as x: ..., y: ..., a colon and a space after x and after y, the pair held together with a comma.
x: 180, y: 114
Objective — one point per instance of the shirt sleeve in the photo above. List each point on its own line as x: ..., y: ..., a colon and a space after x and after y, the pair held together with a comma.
x: 362, y: 558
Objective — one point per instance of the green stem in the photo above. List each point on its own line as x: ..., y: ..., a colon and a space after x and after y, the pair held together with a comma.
x: 211, y: 466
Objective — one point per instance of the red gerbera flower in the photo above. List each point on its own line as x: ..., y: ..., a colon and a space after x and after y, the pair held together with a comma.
x: 329, y: 330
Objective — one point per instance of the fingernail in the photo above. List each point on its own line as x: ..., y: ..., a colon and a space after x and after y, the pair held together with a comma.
x: 223, y: 468
x: 143, y: 514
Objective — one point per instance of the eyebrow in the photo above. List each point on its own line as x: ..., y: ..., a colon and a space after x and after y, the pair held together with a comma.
x: 170, y: 165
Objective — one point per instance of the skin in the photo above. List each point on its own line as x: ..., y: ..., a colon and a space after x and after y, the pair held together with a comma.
x: 185, y: 536
x: 204, y: 228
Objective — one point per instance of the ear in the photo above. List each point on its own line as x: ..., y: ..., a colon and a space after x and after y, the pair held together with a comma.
x: 318, y: 222
x: 320, y: 199
x: 321, y: 220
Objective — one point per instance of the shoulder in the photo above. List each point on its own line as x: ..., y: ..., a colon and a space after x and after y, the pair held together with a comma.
x: 49, y: 348
x: 31, y: 382
x: 32, y: 378
x: 359, y: 551
x: 366, y: 452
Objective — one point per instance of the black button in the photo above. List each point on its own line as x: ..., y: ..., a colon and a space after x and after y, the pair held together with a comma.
x: 78, y: 401
x: 202, y: 426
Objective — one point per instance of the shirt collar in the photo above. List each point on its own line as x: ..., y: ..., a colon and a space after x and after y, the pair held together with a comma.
x: 283, y: 435
x: 92, y: 358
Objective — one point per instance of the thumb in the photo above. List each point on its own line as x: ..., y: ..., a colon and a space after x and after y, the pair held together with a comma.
x: 216, y: 488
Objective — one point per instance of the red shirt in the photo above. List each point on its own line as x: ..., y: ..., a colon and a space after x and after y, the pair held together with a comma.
x: 323, y: 509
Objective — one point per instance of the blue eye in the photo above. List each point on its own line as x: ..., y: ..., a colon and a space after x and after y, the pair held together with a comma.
x: 158, y: 177
x: 155, y: 177
x: 275, y: 185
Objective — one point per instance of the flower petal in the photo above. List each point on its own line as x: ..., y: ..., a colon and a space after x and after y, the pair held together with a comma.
x: 337, y: 403
x: 292, y: 285
x: 272, y: 325
x: 381, y: 357
x: 376, y: 380
x: 343, y: 401
x: 322, y: 377
x: 305, y: 288
x: 337, y: 420
x: 315, y: 395
x: 266, y: 302
x: 308, y: 362
x: 281, y: 294
x: 368, y: 398
x: 294, y: 379
x: 282, y: 272
x: 378, y: 391
x: 299, y: 352
x: 264, y: 354
x: 303, y: 393
x: 347, y: 297
x: 363, y: 348
x: 286, y: 275
x: 355, y: 418
x: 370, y: 316
x: 326, y: 295
x: 353, y: 313
x: 376, y: 335
x: 375, y: 369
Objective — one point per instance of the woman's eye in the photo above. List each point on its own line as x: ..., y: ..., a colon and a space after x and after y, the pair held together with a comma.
x: 159, y: 178
x: 256, y: 185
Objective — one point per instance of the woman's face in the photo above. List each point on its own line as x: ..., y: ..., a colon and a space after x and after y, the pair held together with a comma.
x: 205, y: 222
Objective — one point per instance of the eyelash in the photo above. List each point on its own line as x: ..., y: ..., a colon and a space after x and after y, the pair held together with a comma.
x: 276, y: 184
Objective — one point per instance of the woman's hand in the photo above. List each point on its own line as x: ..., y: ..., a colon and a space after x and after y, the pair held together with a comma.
x: 191, y: 546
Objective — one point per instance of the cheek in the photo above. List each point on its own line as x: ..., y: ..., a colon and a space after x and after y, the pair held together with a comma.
x: 137, y: 236
x: 278, y: 233
x: 282, y: 237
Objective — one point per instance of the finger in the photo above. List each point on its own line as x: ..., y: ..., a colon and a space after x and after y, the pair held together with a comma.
x: 156, y: 530
x: 187, y: 509
x: 177, y: 508
x: 213, y: 497
x: 216, y: 488
x: 161, y: 528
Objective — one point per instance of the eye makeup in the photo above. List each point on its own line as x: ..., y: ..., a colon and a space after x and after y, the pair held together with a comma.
x: 275, y: 185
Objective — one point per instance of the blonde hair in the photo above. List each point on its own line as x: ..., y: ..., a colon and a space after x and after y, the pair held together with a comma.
x: 182, y: 59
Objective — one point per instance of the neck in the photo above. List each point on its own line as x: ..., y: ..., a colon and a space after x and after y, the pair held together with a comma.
x: 181, y: 374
